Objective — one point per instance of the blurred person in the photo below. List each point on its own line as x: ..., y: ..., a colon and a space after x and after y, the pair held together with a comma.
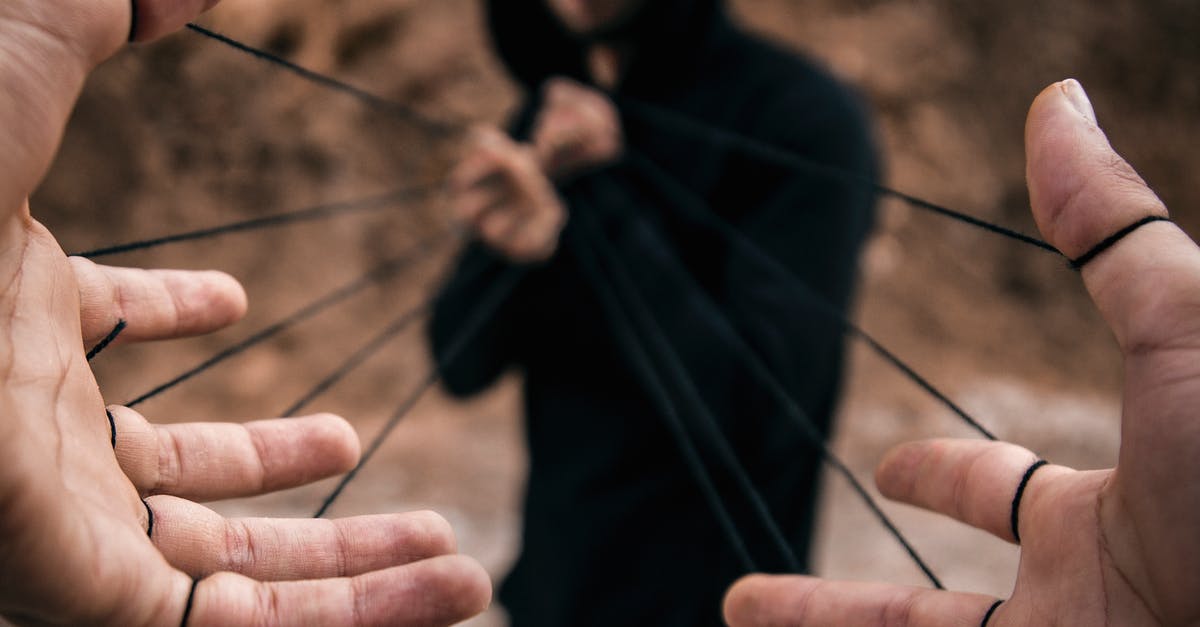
x: 1106, y: 547
x: 99, y: 521
x: 615, y: 529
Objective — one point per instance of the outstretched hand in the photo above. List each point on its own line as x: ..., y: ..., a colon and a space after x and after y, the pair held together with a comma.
x: 1114, y: 547
x: 78, y: 545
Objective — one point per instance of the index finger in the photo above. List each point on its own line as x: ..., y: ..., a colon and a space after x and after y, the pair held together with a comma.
x: 155, y: 304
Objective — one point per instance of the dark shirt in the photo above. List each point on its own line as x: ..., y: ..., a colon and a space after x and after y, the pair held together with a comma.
x: 616, y: 531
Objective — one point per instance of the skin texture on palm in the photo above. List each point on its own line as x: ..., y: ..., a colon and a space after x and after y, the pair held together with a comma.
x: 73, y: 527
x: 1114, y: 547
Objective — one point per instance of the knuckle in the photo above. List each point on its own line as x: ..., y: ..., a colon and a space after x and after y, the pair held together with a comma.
x: 343, y: 547
x: 1116, y: 170
x: 260, y: 471
x: 360, y: 601
x: 269, y: 609
x: 170, y: 462
x: 898, y: 611
x: 239, y: 547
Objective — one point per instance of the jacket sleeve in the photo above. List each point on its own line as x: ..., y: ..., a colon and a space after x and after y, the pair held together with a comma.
x: 496, y: 346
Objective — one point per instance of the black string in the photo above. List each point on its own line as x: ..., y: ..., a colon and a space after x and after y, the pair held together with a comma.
x: 677, y: 371
x: 319, y: 212
x: 680, y: 122
x: 486, y: 307
x: 360, y: 356
x: 1079, y: 262
x: 776, y: 389
x: 379, y: 341
x: 112, y: 428
x: 375, y: 275
x: 133, y: 20
x: 627, y: 337
x: 149, y: 520
x: 684, y: 125
x: 191, y: 600
x: 991, y: 610
x: 692, y: 207
x: 108, y: 339
x: 1015, y: 513
x: 391, y: 107
x: 750, y: 146
x: 919, y: 379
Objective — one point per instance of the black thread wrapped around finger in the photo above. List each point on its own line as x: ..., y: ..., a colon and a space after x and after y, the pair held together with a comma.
x: 1015, y: 516
x: 112, y: 428
x: 149, y: 520
x: 108, y: 339
x: 1079, y: 262
x: 990, y: 612
x: 191, y: 600
x: 133, y: 20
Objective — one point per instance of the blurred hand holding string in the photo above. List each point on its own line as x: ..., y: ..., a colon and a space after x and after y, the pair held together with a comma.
x: 505, y: 190
x: 1113, y: 547
x: 78, y: 543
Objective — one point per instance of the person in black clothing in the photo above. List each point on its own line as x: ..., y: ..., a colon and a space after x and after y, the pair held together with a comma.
x: 616, y: 530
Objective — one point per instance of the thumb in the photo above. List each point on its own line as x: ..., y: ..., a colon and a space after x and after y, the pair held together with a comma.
x: 1147, y: 286
x: 1082, y: 193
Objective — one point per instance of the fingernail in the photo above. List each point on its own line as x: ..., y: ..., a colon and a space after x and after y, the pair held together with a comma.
x: 1078, y: 99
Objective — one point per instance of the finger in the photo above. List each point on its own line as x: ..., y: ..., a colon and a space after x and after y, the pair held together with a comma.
x: 971, y: 481
x: 1083, y: 192
x: 500, y: 225
x: 485, y: 146
x: 560, y: 90
x: 1147, y: 287
x: 471, y: 205
x: 501, y: 229
x: 538, y: 239
x: 780, y: 601
x: 210, y: 461
x: 156, y: 18
x: 438, y: 591
x: 155, y: 304
x: 201, y: 542
x: 60, y: 43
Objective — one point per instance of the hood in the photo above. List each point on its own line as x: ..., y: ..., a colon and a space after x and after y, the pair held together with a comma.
x: 667, y: 35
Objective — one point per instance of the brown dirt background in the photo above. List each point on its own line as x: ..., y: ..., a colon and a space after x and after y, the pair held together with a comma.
x: 185, y: 134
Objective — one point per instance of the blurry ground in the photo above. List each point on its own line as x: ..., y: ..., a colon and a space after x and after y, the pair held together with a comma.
x: 186, y: 134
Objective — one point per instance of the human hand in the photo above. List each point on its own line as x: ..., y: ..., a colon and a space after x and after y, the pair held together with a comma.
x: 500, y: 190
x: 576, y: 129
x: 1113, y: 547
x: 74, y: 545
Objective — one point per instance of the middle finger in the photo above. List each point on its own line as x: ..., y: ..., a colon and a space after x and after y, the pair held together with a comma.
x: 201, y: 542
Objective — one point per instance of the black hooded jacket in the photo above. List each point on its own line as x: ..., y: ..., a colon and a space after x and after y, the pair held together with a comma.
x: 616, y: 531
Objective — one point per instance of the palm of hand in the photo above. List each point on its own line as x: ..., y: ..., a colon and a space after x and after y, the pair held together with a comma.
x: 67, y: 489
x: 1115, y: 547
x: 73, y: 529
